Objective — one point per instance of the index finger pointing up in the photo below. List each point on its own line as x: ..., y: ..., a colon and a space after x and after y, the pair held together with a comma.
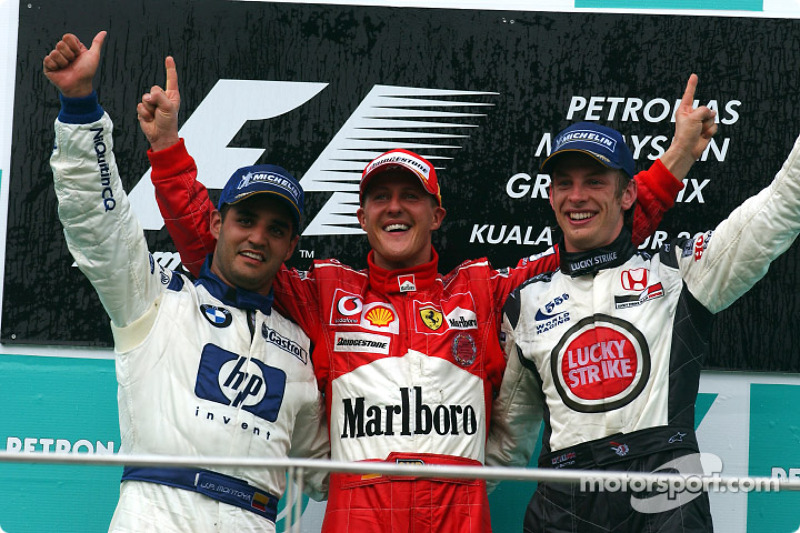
x: 172, y: 74
x: 688, y: 95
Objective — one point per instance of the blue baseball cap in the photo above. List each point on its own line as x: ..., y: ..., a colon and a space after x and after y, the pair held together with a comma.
x: 601, y: 143
x: 261, y: 179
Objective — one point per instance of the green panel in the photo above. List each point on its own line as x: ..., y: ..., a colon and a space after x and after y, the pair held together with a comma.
x: 724, y: 5
x: 774, y: 443
x: 73, y: 402
x: 701, y: 407
x: 510, y: 499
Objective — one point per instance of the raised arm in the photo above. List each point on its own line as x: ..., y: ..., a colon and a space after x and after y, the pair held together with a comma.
x: 719, y: 266
x: 182, y: 200
x: 102, y: 234
x: 659, y: 185
x: 694, y: 128
x: 158, y: 110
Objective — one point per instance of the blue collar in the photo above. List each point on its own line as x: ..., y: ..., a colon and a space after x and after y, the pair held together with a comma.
x: 233, y: 296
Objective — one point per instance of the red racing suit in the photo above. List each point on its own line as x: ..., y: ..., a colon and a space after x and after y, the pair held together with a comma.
x: 408, y: 360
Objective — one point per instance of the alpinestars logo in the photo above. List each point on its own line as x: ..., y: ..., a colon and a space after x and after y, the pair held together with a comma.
x: 226, y: 378
x: 431, y: 122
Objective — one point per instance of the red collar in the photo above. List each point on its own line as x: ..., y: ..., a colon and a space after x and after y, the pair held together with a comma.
x: 403, y: 280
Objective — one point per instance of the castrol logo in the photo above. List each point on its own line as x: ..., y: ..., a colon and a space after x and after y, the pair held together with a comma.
x: 602, y: 363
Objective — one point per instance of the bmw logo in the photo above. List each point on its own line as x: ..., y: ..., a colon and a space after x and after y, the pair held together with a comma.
x: 218, y: 317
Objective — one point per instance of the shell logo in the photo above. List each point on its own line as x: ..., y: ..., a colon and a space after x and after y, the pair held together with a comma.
x: 380, y: 316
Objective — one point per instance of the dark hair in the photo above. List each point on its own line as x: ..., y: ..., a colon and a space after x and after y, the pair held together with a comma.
x: 623, y: 181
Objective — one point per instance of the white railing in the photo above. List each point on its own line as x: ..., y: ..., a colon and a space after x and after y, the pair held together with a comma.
x: 295, y: 468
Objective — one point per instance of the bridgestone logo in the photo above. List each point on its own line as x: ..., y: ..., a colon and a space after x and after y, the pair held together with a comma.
x: 362, y: 342
x: 362, y: 420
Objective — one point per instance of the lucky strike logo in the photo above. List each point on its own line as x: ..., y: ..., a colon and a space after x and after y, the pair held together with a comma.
x: 599, y: 363
x: 602, y: 363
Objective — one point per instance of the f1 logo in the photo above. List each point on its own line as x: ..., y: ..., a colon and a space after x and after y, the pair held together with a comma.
x: 634, y: 280
x: 338, y: 168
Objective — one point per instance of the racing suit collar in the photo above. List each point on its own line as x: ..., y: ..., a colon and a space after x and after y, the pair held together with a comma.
x: 580, y: 263
x: 233, y: 296
x: 403, y: 280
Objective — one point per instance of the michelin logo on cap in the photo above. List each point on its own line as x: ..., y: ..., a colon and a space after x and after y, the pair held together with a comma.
x: 269, y: 177
x: 600, y: 139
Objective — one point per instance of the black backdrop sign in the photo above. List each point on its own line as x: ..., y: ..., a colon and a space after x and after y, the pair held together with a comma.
x: 322, y: 89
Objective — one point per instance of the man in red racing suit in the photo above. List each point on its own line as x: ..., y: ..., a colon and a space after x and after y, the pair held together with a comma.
x: 408, y: 359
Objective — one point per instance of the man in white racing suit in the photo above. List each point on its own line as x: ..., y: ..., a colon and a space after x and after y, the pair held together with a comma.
x: 205, y: 368
x: 608, y: 347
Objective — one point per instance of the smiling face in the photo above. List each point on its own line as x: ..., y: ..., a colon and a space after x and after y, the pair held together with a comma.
x: 399, y: 217
x: 254, y: 238
x: 588, y: 201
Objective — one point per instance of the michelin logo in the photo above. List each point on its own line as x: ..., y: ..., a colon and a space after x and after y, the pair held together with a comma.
x: 269, y: 177
x: 586, y: 136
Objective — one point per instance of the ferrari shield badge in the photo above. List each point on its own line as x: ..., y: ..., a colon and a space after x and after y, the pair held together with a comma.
x: 431, y: 317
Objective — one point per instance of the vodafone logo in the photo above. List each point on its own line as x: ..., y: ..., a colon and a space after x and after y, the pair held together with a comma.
x: 346, y: 309
x: 349, y: 305
x: 602, y: 363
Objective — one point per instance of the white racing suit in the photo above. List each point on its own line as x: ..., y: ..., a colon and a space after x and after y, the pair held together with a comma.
x: 608, y: 350
x: 203, y: 369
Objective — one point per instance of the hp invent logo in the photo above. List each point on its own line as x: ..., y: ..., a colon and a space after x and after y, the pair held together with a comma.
x: 431, y: 122
x: 248, y: 384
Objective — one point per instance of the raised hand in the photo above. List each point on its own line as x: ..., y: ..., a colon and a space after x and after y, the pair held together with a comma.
x: 693, y: 131
x: 158, y: 111
x: 693, y: 127
x: 71, y: 66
